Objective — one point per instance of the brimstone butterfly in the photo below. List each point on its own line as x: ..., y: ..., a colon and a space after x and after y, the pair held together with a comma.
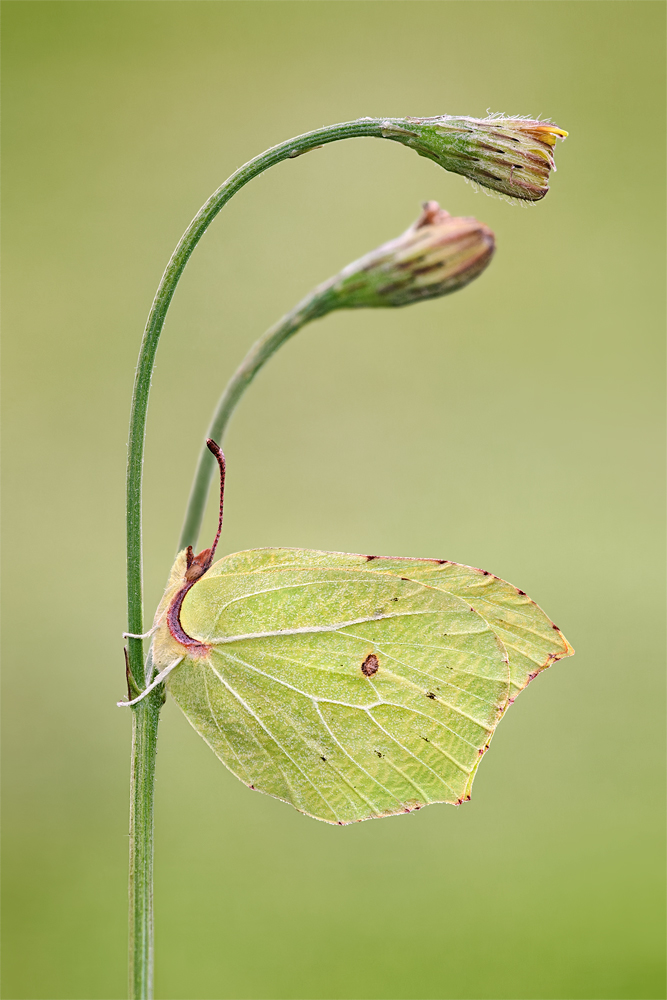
x: 351, y: 686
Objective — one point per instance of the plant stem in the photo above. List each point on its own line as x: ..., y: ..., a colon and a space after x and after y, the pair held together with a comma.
x: 145, y: 718
x: 317, y: 304
x: 286, y: 150
x: 146, y: 713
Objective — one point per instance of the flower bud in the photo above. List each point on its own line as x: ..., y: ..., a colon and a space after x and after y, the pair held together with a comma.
x: 438, y: 254
x: 510, y: 155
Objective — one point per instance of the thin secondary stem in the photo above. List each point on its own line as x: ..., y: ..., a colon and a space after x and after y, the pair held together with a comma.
x: 315, y: 305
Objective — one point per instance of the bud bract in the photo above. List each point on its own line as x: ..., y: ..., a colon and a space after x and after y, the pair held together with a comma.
x: 511, y: 155
x: 438, y: 254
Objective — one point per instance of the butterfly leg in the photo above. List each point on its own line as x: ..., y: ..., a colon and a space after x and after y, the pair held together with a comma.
x: 132, y: 635
x: 154, y: 683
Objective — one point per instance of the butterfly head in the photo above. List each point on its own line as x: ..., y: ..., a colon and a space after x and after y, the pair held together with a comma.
x: 196, y: 565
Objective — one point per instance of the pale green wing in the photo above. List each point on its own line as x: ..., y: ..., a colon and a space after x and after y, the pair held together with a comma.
x: 349, y: 692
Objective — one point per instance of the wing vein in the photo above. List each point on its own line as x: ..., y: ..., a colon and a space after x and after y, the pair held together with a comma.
x: 355, y: 762
x: 257, y: 719
x: 423, y: 764
x: 315, y: 629
x: 219, y: 728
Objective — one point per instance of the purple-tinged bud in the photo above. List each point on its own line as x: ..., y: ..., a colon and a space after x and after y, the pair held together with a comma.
x: 438, y: 254
x: 511, y: 155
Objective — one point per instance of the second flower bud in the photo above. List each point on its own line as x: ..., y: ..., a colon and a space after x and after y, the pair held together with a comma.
x: 438, y: 254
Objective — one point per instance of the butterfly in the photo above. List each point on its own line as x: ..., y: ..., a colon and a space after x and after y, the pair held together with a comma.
x: 351, y: 686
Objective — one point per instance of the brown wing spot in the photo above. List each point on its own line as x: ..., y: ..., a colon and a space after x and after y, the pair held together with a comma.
x: 429, y: 694
x: 370, y: 666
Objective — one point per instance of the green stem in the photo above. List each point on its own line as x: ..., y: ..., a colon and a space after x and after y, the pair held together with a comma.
x: 317, y: 304
x: 145, y: 733
x: 286, y: 150
x: 145, y: 718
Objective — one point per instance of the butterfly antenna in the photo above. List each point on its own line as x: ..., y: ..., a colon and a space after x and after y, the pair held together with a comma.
x: 220, y: 458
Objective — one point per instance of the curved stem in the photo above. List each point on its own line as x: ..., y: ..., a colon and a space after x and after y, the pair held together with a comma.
x: 372, y: 127
x: 317, y: 304
x: 146, y: 713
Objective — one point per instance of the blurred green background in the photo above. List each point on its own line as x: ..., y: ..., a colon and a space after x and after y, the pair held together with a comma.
x: 516, y: 426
